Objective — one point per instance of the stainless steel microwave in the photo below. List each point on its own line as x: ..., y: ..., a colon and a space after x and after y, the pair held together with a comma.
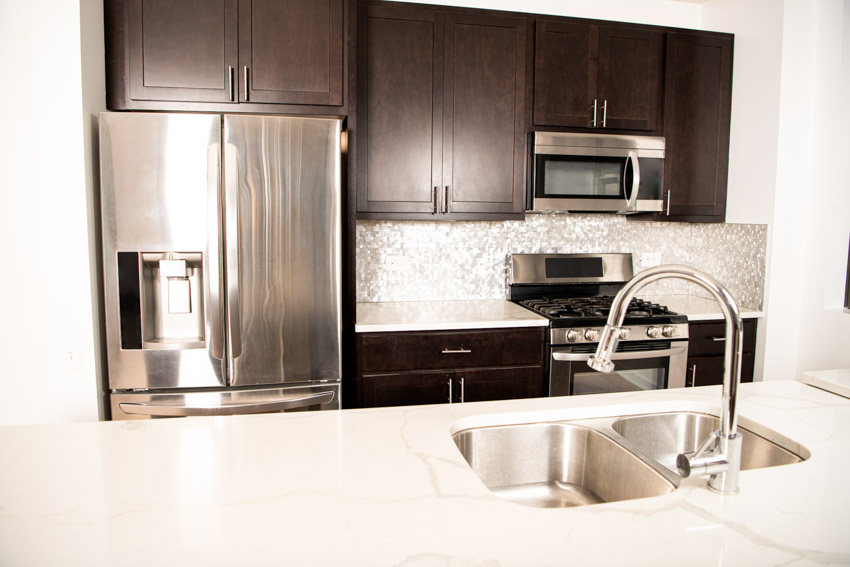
x: 596, y: 173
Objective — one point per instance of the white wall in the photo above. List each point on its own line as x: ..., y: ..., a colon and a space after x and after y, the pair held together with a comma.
x: 824, y: 225
x: 46, y: 294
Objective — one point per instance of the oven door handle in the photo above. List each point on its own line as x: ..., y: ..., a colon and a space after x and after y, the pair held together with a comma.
x: 584, y: 356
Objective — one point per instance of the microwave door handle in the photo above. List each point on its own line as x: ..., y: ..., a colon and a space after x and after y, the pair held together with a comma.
x: 633, y: 194
x: 584, y: 356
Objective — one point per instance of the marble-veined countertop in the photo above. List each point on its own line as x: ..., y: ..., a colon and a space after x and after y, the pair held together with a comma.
x: 387, y: 487
x: 836, y: 381
x: 394, y: 316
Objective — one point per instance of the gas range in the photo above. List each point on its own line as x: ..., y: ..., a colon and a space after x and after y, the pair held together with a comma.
x: 580, y: 319
x: 574, y: 292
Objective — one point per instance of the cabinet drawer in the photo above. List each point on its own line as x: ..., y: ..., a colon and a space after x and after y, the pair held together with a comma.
x: 382, y: 352
x: 709, y: 338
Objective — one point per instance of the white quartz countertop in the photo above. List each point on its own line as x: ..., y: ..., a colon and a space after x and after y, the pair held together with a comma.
x: 492, y: 313
x: 698, y: 308
x: 444, y: 315
x: 836, y: 381
x: 388, y: 487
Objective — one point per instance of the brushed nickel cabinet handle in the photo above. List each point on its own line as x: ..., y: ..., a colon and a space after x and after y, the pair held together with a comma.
x: 456, y: 351
x: 717, y: 339
x: 245, y: 77
x: 230, y: 92
x: 434, y: 199
x: 593, y: 122
x: 604, y: 113
x: 669, y: 194
x: 462, y: 390
x: 449, y: 380
x: 446, y: 202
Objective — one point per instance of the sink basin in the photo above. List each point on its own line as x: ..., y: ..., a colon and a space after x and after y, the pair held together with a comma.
x: 663, y: 436
x: 606, y: 459
x: 557, y: 465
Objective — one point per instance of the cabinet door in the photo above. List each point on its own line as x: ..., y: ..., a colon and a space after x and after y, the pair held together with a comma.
x: 630, y: 75
x: 697, y: 112
x: 708, y: 370
x: 182, y: 50
x: 399, y: 109
x: 406, y: 389
x: 498, y: 384
x: 484, y: 107
x: 565, y: 74
x: 290, y: 51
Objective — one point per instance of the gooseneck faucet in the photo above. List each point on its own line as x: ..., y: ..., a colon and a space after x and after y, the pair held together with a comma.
x: 719, y: 455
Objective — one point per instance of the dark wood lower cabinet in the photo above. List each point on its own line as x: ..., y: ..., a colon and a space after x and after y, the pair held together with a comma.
x: 706, y: 349
x: 413, y: 368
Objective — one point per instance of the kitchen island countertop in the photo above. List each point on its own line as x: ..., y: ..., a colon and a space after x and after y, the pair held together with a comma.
x: 388, y: 487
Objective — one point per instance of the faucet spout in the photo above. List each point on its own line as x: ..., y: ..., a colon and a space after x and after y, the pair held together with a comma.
x: 719, y: 456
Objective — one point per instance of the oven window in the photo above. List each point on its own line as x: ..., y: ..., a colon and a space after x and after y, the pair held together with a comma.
x: 579, y: 176
x: 629, y: 376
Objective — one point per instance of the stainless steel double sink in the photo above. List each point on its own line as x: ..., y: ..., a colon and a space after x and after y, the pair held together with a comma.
x: 589, y: 461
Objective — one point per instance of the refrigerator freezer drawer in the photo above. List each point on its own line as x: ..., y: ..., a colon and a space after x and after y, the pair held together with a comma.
x: 147, y: 405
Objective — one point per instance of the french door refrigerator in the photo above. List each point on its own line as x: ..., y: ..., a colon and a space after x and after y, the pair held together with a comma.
x: 222, y: 263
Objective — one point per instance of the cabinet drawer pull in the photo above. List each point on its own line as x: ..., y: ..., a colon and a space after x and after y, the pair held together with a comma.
x: 717, y: 339
x: 461, y: 390
x: 456, y: 351
x: 669, y: 193
x: 449, y: 380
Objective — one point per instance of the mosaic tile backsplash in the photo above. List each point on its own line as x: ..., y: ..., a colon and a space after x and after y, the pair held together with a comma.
x: 422, y: 261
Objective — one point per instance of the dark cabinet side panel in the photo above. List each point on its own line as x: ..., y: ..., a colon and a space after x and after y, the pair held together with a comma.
x: 484, y: 126
x: 697, y: 121
x: 293, y: 51
x: 399, y: 70
x: 565, y: 74
x: 630, y: 77
x: 182, y: 50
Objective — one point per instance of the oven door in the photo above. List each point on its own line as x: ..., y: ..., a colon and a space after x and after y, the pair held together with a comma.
x: 651, y: 365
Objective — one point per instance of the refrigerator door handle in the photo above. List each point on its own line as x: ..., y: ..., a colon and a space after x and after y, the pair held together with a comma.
x: 212, y: 277
x: 183, y: 410
x: 231, y: 236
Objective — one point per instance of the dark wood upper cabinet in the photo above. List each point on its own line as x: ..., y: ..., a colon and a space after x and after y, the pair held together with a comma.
x: 484, y: 109
x: 182, y: 49
x: 399, y: 109
x: 592, y: 76
x: 221, y: 54
x: 290, y: 51
x: 440, y: 127
x: 697, y: 122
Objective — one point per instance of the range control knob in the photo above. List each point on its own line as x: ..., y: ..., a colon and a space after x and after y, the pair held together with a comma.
x: 669, y: 331
x: 573, y: 335
x: 591, y: 335
x: 653, y: 332
x: 625, y: 334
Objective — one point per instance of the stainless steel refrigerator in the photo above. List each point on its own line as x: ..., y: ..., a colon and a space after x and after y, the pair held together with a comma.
x: 222, y: 263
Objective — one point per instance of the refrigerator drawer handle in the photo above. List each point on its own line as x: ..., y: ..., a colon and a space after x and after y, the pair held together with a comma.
x: 227, y: 409
x: 581, y: 357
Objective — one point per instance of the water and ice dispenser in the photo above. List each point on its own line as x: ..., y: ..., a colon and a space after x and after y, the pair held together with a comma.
x: 161, y: 300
